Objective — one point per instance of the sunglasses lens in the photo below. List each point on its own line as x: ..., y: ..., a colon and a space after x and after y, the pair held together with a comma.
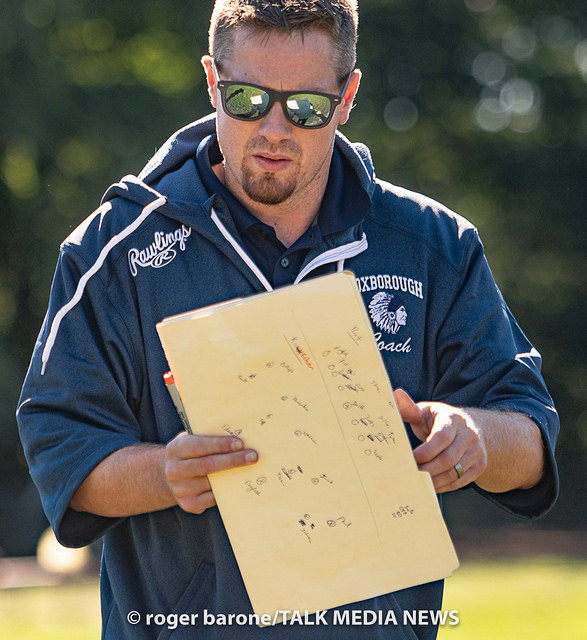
x: 246, y: 102
x: 308, y: 109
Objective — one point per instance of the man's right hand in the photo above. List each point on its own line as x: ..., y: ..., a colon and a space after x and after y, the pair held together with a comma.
x: 190, y: 458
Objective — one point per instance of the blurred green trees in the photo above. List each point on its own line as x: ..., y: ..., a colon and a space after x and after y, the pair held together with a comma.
x: 478, y: 103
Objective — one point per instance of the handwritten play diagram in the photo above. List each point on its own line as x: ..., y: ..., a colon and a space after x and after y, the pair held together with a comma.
x: 335, y: 511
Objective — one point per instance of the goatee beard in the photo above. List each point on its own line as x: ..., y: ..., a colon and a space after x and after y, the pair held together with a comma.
x: 267, y: 189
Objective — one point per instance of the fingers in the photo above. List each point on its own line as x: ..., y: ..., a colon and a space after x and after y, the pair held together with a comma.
x: 190, y: 459
x: 447, y: 478
x: 188, y: 447
x: 453, y: 439
x: 193, y: 495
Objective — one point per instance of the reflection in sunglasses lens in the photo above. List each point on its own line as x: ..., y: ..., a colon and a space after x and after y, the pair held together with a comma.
x: 305, y: 110
x: 245, y: 101
x: 308, y: 109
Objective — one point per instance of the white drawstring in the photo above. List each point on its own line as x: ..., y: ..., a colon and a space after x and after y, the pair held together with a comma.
x: 241, y: 252
x: 145, y: 213
x: 340, y: 254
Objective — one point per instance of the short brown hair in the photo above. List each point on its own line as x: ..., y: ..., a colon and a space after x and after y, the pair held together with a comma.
x: 339, y: 18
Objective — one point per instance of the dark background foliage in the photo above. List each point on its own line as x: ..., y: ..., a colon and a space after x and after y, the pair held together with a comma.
x: 477, y: 103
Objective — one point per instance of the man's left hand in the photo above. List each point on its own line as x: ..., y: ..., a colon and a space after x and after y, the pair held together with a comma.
x: 449, y: 439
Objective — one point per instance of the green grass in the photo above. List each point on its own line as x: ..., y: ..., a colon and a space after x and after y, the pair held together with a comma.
x: 66, y: 612
x: 529, y: 599
x: 536, y: 599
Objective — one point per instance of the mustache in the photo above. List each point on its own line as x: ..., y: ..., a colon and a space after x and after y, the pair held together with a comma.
x: 259, y: 144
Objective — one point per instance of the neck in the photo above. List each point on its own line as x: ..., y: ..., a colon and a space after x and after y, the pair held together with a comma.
x: 291, y: 218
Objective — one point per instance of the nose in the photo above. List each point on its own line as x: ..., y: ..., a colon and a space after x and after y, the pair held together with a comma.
x: 275, y: 126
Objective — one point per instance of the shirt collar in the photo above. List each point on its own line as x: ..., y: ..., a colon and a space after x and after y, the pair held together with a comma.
x: 344, y: 205
x: 207, y: 155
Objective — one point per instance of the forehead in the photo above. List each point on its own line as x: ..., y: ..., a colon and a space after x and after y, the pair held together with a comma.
x: 300, y: 59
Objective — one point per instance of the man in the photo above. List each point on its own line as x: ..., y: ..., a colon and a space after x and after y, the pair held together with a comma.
x: 264, y: 194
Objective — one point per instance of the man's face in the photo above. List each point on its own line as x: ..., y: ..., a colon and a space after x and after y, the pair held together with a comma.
x: 271, y: 161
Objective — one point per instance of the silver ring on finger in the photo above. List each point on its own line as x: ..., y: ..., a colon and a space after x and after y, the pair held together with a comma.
x: 459, y: 469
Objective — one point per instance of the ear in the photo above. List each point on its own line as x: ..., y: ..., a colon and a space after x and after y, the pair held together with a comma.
x: 349, y: 96
x: 208, y: 64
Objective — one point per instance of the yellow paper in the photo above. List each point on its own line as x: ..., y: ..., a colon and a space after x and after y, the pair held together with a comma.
x: 335, y: 511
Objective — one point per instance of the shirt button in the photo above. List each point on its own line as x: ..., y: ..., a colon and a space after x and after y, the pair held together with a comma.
x: 284, y: 262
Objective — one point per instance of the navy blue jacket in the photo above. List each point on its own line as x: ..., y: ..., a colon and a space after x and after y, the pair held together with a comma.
x: 160, y: 245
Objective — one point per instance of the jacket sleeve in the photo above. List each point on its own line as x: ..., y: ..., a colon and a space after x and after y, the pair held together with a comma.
x: 486, y: 361
x: 84, y: 406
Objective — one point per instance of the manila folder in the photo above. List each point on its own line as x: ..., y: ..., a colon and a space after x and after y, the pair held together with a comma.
x: 335, y: 511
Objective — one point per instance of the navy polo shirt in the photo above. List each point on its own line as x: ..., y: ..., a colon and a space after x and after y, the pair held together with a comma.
x: 344, y: 205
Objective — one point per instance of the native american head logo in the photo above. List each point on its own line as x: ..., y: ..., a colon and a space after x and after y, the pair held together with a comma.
x: 388, y: 312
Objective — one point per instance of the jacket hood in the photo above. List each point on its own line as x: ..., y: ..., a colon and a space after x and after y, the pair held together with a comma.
x: 163, y: 174
x: 170, y: 185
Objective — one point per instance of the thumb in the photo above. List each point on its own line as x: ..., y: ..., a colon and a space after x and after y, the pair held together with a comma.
x: 408, y: 409
x: 412, y: 413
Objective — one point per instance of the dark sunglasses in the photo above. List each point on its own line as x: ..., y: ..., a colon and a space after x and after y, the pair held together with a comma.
x: 305, y: 109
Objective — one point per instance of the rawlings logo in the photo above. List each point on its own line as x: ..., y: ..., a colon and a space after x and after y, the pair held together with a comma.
x: 160, y: 252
